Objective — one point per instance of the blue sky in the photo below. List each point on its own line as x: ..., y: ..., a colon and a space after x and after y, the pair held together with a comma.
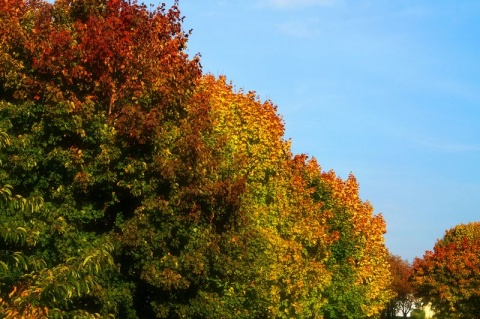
x: 388, y: 90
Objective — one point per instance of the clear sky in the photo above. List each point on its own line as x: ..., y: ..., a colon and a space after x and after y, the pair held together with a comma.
x: 388, y: 90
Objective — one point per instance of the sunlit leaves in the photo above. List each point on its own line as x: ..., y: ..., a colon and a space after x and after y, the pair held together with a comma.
x: 448, y: 276
x: 133, y: 186
x: 359, y: 256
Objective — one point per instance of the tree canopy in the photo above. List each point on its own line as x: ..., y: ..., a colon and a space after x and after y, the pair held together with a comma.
x: 135, y: 186
x: 449, y: 276
x: 401, y: 285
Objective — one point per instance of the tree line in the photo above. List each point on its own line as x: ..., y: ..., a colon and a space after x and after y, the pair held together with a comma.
x: 133, y: 185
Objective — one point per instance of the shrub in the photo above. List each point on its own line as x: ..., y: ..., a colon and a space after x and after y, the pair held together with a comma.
x: 417, y: 314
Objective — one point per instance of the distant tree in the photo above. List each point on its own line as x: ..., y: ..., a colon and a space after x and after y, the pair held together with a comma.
x: 448, y: 276
x: 403, y: 302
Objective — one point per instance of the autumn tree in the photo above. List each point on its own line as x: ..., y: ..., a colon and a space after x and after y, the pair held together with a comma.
x: 448, y: 276
x: 404, y: 300
x: 87, y: 87
x: 270, y: 243
x: 316, y: 232
x: 133, y: 186
x: 359, y: 258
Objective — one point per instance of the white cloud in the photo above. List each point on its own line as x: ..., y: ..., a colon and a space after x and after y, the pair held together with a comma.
x: 294, y: 3
x: 439, y: 142
x: 295, y: 29
x: 450, y: 147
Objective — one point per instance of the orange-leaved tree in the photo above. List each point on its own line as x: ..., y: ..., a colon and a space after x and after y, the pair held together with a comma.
x: 272, y: 252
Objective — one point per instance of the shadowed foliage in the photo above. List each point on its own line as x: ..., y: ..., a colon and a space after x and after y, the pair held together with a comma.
x: 134, y: 186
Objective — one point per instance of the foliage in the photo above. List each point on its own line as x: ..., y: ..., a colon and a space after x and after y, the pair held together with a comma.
x: 404, y: 300
x: 282, y: 233
x: 84, y: 85
x: 448, y: 276
x: 417, y: 314
x: 361, y: 276
x: 136, y: 187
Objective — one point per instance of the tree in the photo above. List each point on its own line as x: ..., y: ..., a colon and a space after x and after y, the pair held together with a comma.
x: 87, y: 87
x: 358, y: 260
x: 270, y: 246
x: 448, y: 276
x: 404, y: 300
x: 136, y: 187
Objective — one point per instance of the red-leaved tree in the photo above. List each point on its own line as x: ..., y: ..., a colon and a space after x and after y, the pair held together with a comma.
x: 448, y: 276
